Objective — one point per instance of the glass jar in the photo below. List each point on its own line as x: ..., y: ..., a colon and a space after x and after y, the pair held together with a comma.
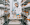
x: 19, y: 16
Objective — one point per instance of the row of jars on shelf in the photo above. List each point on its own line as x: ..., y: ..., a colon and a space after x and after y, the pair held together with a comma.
x: 23, y: 1
x: 25, y: 5
x: 26, y: 13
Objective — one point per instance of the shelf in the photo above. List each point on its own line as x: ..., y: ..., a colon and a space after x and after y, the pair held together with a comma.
x: 23, y: 14
x: 2, y: 6
x: 1, y: 2
x: 27, y: 0
x: 8, y: 8
x: 24, y: 3
x: 7, y: 3
x: 15, y: 18
x: 26, y: 6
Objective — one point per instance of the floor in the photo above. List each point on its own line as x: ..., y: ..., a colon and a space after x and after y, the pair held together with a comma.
x: 15, y: 24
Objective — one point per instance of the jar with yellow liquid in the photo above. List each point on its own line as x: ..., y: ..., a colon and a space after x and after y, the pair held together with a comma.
x: 19, y: 16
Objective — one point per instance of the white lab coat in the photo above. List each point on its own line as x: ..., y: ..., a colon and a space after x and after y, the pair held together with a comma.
x: 16, y: 10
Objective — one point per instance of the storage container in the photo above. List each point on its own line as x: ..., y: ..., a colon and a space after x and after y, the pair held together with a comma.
x: 27, y: 13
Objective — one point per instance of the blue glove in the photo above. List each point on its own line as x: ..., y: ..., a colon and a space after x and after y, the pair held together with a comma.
x: 17, y: 14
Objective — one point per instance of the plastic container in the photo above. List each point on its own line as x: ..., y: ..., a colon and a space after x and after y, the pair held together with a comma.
x: 24, y: 12
x: 27, y: 13
x: 28, y: 3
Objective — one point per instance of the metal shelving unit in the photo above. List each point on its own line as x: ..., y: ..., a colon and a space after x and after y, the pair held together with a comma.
x: 25, y: 2
x: 3, y: 6
x: 25, y: 8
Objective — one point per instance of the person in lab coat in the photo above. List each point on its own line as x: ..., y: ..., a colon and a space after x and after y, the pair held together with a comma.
x: 15, y: 10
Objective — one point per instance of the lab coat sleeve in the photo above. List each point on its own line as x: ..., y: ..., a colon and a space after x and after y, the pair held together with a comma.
x: 13, y: 10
